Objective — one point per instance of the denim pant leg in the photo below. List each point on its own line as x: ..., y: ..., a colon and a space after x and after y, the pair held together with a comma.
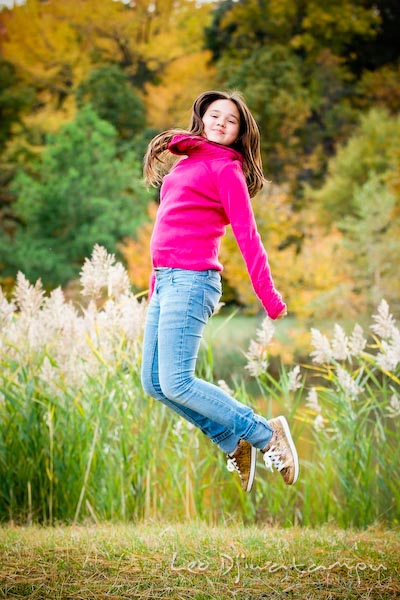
x: 186, y: 300
x: 151, y: 384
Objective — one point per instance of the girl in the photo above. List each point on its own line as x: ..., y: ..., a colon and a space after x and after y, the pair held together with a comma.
x: 208, y: 188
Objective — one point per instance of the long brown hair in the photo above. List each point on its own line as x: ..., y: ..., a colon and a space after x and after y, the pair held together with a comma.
x: 248, y: 142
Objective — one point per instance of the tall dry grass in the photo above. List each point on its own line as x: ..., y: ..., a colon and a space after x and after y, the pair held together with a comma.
x: 80, y: 440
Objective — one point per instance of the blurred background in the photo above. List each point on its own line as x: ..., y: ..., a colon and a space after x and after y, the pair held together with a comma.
x: 85, y: 84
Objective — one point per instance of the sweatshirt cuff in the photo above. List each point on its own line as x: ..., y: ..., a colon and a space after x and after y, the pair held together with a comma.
x: 274, y: 304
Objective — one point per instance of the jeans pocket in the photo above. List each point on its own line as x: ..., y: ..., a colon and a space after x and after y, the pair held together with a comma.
x: 211, y: 297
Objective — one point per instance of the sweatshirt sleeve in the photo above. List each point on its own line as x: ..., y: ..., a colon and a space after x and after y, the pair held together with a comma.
x: 236, y: 201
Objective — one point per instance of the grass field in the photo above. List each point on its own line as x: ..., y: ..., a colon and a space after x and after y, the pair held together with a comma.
x: 197, y: 562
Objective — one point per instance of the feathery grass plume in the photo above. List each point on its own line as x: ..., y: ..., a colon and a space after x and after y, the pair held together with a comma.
x: 357, y: 341
x: 101, y: 275
x: 312, y: 400
x: 322, y: 352
x: 340, y: 344
x: 70, y: 383
x: 384, y: 324
x: 7, y: 309
x: 347, y: 384
x: 319, y: 423
x: 225, y: 387
x: 389, y: 356
x: 28, y: 298
x: 257, y: 354
x: 265, y: 333
x: 24, y: 332
x: 393, y: 410
x: 257, y: 359
x: 295, y: 379
x: 388, y: 338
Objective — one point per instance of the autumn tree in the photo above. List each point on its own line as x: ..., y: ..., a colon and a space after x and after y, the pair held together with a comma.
x: 300, y: 65
x: 361, y: 197
x: 132, y: 61
x: 372, y: 149
x: 55, y: 44
x: 372, y: 235
x: 15, y: 99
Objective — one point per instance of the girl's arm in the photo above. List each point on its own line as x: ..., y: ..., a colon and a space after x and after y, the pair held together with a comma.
x: 236, y: 201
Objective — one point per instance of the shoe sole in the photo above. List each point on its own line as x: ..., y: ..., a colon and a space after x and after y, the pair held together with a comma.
x: 292, y: 447
x: 253, y: 460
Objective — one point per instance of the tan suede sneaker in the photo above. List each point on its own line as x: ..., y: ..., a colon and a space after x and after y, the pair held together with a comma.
x: 281, y: 452
x: 243, y: 460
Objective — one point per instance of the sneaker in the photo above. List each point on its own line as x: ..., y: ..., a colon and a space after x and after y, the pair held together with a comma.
x: 281, y: 452
x: 243, y: 460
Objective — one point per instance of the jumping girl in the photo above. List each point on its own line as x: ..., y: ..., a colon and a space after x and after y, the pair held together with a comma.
x: 207, y: 188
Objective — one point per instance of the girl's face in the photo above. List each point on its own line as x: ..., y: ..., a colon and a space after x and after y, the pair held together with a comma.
x: 221, y: 122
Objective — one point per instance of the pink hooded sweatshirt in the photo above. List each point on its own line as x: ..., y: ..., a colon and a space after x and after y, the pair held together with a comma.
x: 204, y: 192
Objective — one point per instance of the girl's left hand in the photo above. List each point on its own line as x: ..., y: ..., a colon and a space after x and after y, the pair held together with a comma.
x: 282, y: 314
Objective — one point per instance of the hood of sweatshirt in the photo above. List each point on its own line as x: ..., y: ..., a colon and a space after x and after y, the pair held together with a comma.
x: 192, y: 145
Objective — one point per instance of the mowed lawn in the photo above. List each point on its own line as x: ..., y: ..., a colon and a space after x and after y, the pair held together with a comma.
x: 193, y: 560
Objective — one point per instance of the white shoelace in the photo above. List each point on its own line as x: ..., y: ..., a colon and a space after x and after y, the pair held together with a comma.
x: 232, y: 465
x: 272, y: 458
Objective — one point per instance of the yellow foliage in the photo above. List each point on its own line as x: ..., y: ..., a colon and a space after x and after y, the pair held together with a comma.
x: 49, y: 119
x: 309, y: 266
x: 169, y: 102
x: 54, y: 45
x: 381, y: 87
x: 41, y: 41
x: 276, y: 221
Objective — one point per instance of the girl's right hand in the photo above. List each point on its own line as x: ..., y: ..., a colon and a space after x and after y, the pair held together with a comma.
x: 282, y: 314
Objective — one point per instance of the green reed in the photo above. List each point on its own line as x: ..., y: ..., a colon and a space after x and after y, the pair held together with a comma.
x: 344, y: 407
x: 79, y: 440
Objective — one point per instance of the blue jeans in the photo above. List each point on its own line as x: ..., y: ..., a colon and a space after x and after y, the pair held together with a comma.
x: 180, y: 306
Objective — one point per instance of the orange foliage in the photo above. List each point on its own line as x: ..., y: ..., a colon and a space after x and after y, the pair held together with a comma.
x: 136, y: 253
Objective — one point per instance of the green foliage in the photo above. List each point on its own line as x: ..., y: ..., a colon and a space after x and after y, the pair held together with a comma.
x: 373, y: 148
x: 16, y: 98
x: 359, y: 196
x: 109, y: 92
x: 292, y: 62
x: 336, y: 25
x: 371, y: 234
x: 272, y: 82
x: 81, y: 194
x: 309, y: 26
x: 385, y: 48
x: 303, y: 110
